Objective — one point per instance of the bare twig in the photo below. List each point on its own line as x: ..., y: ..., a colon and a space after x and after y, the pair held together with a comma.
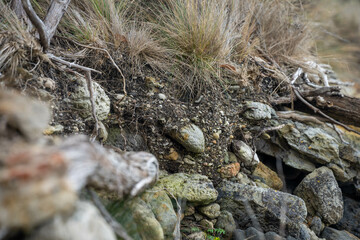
x: 118, y: 229
x: 69, y: 64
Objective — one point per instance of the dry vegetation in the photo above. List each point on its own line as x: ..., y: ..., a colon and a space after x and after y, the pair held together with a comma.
x: 189, y: 40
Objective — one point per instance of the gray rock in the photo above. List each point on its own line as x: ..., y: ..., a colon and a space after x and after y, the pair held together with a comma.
x: 266, y: 204
x: 86, y: 223
x: 239, y: 234
x: 211, y: 211
x: 197, y: 236
x: 254, y: 234
x: 206, y: 224
x: 273, y: 236
x: 190, y: 137
x: 245, y: 154
x: 342, y: 174
x: 304, y: 232
x: 194, y: 188
x: 126, y: 139
x: 333, y: 234
x: 316, y: 225
x: 80, y: 98
x: 351, y: 219
x: 257, y: 111
x: 160, y: 204
x: 322, y: 195
x: 148, y: 226
x: 226, y: 221
x: 313, y: 142
x: 293, y: 160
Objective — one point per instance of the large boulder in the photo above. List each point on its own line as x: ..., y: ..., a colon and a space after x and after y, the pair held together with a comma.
x: 333, y: 234
x: 85, y: 223
x: 160, y: 204
x: 80, y: 98
x: 266, y: 204
x: 313, y: 142
x: 194, y: 188
x: 190, y: 137
x: 322, y: 195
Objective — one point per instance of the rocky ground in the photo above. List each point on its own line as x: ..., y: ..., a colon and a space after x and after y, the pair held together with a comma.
x: 233, y: 166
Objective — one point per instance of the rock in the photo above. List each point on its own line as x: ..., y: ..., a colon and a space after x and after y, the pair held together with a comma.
x: 189, y: 210
x: 190, y: 137
x: 216, y: 136
x: 273, y: 236
x: 230, y: 170
x: 293, y: 160
x: 322, y: 195
x: 197, y: 236
x: 313, y: 142
x: 245, y: 154
x: 211, y: 211
x: 198, y: 217
x: 85, y: 223
x: 316, y: 225
x: 270, y: 177
x: 226, y: 221
x: 206, y: 224
x: 29, y: 117
x: 266, y: 205
x: 351, y: 219
x: 54, y: 129
x: 125, y: 139
x: 103, y: 133
x: 80, y: 98
x: 257, y: 111
x: 148, y: 226
x: 160, y: 204
x: 162, y: 96
x: 239, y: 234
x: 342, y: 174
x: 254, y: 234
x: 333, y: 234
x: 173, y: 155
x: 244, y: 179
x: 304, y: 232
x: 195, y: 188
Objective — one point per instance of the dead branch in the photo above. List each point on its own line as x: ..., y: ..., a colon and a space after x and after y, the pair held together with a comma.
x: 38, y: 23
x: 316, y: 110
x: 54, y: 14
x: 298, y: 117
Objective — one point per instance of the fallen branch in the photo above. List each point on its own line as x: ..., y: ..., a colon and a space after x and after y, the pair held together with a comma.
x: 316, y: 110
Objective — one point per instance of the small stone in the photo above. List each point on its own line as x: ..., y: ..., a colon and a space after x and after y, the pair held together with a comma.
x: 191, y: 137
x: 230, y: 170
x: 257, y: 111
x: 216, y: 136
x: 162, y: 96
x: 245, y: 154
x: 211, y: 211
x: 189, y: 210
x: 54, y: 129
x: 206, y: 224
x: 226, y: 221
x: 316, y: 225
x: 333, y: 234
x: 174, y: 156
x: 270, y: 177
x: 244, y: 179
x: 197, y: 236
x: 188, y: 161
x: 198, y: 217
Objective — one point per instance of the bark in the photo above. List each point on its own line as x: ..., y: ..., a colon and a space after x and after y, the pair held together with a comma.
x: 46, y: 28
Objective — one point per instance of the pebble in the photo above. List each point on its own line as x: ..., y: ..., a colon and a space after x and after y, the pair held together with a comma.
x: 162, y: 96
x: 216, y: 136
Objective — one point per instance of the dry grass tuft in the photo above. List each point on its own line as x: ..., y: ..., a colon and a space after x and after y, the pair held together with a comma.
x: 16, y: 43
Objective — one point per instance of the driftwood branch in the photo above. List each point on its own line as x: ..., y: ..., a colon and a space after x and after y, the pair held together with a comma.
x: 55, y: 13
x: 38, y: 23
x: 46, y: 28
